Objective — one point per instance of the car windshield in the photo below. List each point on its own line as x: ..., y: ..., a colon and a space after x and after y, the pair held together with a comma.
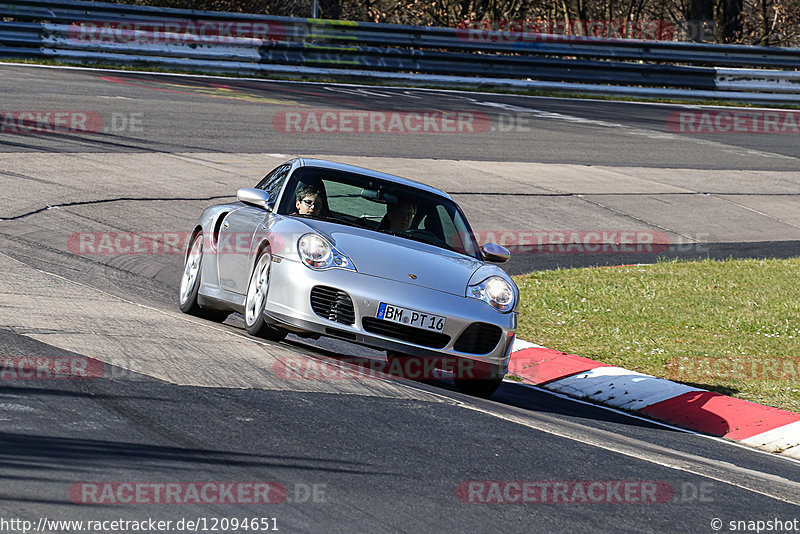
x: 379, y: 205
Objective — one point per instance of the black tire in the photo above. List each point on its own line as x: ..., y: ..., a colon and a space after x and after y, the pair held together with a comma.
x: 478, y: 387
x: 256, y: 299
x: 479, y: 379
x: 399, y: 361
x: 191, y: 280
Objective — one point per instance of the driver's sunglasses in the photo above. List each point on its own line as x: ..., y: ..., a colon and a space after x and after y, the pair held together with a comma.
x: 309, y: 203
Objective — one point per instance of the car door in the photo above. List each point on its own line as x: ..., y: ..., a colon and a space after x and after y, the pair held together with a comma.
x: 238, y: 231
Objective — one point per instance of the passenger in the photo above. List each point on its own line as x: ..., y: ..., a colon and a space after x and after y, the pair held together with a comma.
x: 399, y: 216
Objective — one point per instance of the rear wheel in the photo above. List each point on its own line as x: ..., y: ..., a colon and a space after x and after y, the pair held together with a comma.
x: 257, y: 299
x: 190, y: 283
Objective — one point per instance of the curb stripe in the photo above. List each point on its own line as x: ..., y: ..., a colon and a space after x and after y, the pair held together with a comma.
x: 683, y: 406
x: 539, y: 365
x: 620, y: 387
x: 720, y: 415
x: 784, y: 438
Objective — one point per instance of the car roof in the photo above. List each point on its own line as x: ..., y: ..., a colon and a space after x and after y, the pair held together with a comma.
x: 325, y: 164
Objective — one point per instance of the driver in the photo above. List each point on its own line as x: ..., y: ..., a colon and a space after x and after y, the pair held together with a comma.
x: 310, y: 200
x: 400, y: 216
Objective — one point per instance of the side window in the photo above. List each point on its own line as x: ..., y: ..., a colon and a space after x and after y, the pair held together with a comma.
x: 273, y: 182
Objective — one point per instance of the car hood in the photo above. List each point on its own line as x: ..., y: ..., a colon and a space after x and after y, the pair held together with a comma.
x: 403, y: 260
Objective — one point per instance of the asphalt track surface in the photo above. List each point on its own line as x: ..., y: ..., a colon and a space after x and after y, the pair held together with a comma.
x: 187, y: 400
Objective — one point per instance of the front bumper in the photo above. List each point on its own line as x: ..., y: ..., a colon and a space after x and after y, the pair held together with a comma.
x: 289, y: 304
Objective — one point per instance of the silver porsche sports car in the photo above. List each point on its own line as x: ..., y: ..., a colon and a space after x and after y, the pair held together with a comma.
x: 320, y: 248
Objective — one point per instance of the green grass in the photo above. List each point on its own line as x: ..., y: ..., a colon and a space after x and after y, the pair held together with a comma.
x: 729, y: 326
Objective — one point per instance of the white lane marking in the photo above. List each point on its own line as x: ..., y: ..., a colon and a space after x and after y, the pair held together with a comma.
x: 727, y: 198
x: 455, y: 93
x: 652, y: 134
x: 635, y: 448
x: 722, y: 441
x: 359, y: 91
x: 769, y: 485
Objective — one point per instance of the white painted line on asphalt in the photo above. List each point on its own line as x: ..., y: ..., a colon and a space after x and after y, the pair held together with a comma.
x: 631, y: 130
x: 769, y: 485
x: 794, y: 459
x: 402, y: 88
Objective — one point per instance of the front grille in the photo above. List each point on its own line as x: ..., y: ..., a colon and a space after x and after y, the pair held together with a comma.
x: 333, y: 304
x: 479, y: 338
x: 409, y: 334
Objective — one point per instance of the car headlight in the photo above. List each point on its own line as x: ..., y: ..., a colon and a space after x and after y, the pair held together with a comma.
x: 317, y: 253
x: 496, y: 292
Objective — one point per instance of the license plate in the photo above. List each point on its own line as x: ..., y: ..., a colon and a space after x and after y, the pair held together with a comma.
x: 409, y: 317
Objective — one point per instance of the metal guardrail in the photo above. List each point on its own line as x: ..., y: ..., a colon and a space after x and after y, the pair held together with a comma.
x: 74, y: 31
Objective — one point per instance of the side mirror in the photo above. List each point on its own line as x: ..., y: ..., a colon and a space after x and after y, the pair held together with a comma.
x: 494, y: 253
x: 254, y: 197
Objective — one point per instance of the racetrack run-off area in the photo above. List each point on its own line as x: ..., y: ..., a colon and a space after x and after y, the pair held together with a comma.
x: 194, y: 404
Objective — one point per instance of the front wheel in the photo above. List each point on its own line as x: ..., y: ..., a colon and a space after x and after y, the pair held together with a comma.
x: 257, y: 299
x: 478, y: 379
x: 478, y: 387
x: 190, y: 283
